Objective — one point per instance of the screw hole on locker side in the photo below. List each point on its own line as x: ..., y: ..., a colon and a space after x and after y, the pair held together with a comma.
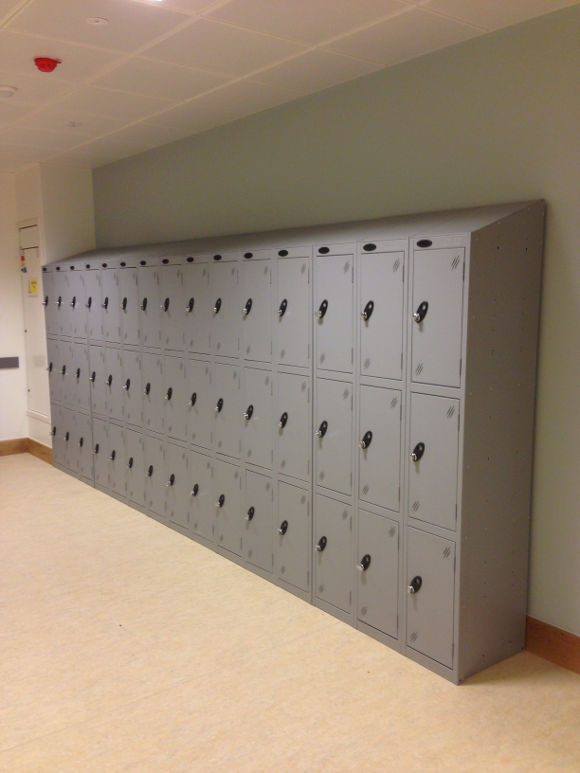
x: 414, y: 636
x: 365, y: 490
x: 363, y: 611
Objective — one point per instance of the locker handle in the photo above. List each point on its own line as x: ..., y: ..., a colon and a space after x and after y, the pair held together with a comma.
x: 147, y: 389
x: 192, y: 400
x: 415, y: 585
x: 143, y: 304
x: 195, y: 489
x: 283, y: 528
x: 321, y: 431
x: 168, y: 395
x: 78, y: 373
x: 247, y: 308
x: 81, y: 442
x: 89, y: 302
x: 283, y: 420
x: 92, y: 377
x: 73, y: 303
x: 124, y: 304
x: 126, y: 385
x: 217, y: 306
x: 368, y: 310
x: 417, y: 452
x: 320, y: 545
x: 322, y: 309
x: 282, y: 308
x: 366, y: 440
x: 105, y: 304
x: 112, y: 456
x: 45, y: 301
x: 221, y: 500
x: 63, y: 370
x: 59, y: 301
x: 165, y: 305
x: 67, y: 436
x: 130, y: 463
x: 364, y: 563
x: 171, y: 481
x: 53, y: 431
x: 49, y: 369
x: 109, y: 380
x: 96, y: 449
x: 150, y: 471
x: 250, y: 514
x: 219, y: 405
x: 190, y: 305
x: 247, y: 414
x: 421, y: 312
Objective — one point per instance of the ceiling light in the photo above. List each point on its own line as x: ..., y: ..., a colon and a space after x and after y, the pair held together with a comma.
x: 8, y: 91
x: 97, y: 21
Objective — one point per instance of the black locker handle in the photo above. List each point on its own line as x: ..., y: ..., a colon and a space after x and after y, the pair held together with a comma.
x: 322, y: 309
x: 283, y: 420
x: 113, y: 455
x: 49, y: 369
x: 165, y: 305
x: 364, y: 563
x: 143, y: 304
x: 67, y: 436
x: 127, y: 385
x: 109, y: 380
x: 169, y: 394
x: 190, y: 305
x: 92, y: 377
x: 78, y: 373
x: 73, y: 303
x: 63, y: 370
x: 150, y: 471
x: 96, y: 449
x: 421, y: 312
x: 221, y: 501
x: 192, y: 400
x: 130, y: 463
x: 89, y: 302
x: 366, y: 440
x: 217, y: 305
x: 417, y: 452
x: 81, y: 442
x: 171, y: 481
x: 247, y: 414
x: 367, y: 312
x: 124, y: 304
x: 105, y: 303
x: 45, y: 301
x: 320, y: 545
x: 53, y: 431
x: 283, y: 528
x: 147, y: 389
x: 59, y: 301
x: 282, y: 308
x: 250, y: 514
x: 247, y: 308
x: 321, y: 431
x: 415, y: 585
x: 219, y: 405
x: 195, y: 490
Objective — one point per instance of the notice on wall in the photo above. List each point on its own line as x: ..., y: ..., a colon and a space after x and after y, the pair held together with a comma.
x: 32, y: 287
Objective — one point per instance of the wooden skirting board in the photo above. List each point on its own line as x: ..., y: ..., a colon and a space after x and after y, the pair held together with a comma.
x: 26, y: 445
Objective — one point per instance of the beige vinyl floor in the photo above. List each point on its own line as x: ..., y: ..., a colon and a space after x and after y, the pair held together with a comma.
x: 127, y: 647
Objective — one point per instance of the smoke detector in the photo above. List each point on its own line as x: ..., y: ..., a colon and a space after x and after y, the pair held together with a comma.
x: 8, y: 91
x: 46, y: 63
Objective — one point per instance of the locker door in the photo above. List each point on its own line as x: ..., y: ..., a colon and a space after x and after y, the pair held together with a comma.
x: 333, y: 553
x: 433, y: 460
x: 256, y: 310
x: 111, y: 305
x: 154, y: 476
x: 50, y: 294
x: 381, y: 314
x: 202, y: 401
x: 100, y: 452
x: 132, y: 388
x: 149, y: 311
x: 69, y: 456
x: 293, y: 312
x: 225, y: 309
x: 153, y: 402
x: 198, y: 313
x: 437, y: 315
x: 62, y: 376
x: 257, y: 534
x: 65, y: 308
x: 129, y: 306
x: 380, y: 446
x: 80, y: 377
x: 171, y: 307
x: 256, y: 418
x: 93, y: 305
x: 114, y: 383
x: 78, y: 309
x: 227, y: 410
x: 177, y: 485
x: 175, y: 398
x: 53, y: 359
x: 378, y: 572
x: 292, y: 538
x: 135, y: 469
x: 228, y: 506
x: 333, y: 435
x: 294, y: 420
x: 97, y: 378
x: 201, y: 503
x: 431, y: 585
x: 58, y: 433
x: 60, y: 308
x: 83, y: 445
x: 117, y: 459
x: 333, y: 312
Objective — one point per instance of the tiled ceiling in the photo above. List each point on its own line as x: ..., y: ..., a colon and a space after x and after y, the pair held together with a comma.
x: 148, y: 72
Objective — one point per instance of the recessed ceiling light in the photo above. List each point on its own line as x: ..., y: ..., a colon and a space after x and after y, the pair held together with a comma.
x: 97, y: 21
x: 8, y: 91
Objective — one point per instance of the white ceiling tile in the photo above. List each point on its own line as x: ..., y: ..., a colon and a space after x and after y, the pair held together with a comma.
x: 218, y: 47
x: 12, y: 111
x: 160, y: 79
x: 192, y: 7
x: 57, y: 118
x: 131, y: 25
x: 117, y: 104
x: 40, y: 138
x: 8, y: 7
x: 493, y: 14
x: 12, y: 158
x: 403, y: 37
x: 305, y: 20
x: 35, y: 88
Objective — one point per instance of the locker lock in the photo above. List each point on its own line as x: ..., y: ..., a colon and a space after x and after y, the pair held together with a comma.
x: 322, y: 309
x: 192, y: 400
x: 283, y: 528
x: 143, y: 304
x: 150, y: 471
x: 147, y: 389
x: 366, y: 440
x: 247, y: 414
x: 321, y: 431
x: 217, y: 306
x: 109, y: 380
x: 320, y: 545
x: 130, y: 463
x: 190, y: 305
x: 96, y: 449
x: 92, y: 377
x: 195, y: 490
x: 417, y: 452
x: 73, y: 303
x: 219, y: 405
x: 113, y: 455
x: 124, y: 304
x: 221, y: 501
x: 165, y: 305
x: 126, y: 385
x: 169, y: 394
x: 250, y: 514
x: 364, y: 563
x: 45, y: 301
x: 171, y: 481
x: 105, y: 304
x: 59, y: 301
x: 283, y: 420
x: 367, y: 312
x: 89, y: 302
x: 415, y: 585
x: 421, y: 312
x: 247, y: 308
x: 282, y: 308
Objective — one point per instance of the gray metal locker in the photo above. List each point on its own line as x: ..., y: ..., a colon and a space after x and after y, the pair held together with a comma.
x: 132, y: 388
x: 135, y: 466
x: 49, y: 301
x: 380, y: 412
x: 430, y: 597
x: 78, y: 309
x: 333, y: 551
x: 256, y: 310
x: 201, y: 497
x: 67, y: 374
x: 62, y: 376
x: 293, y: 312
x: 69, y: 454
x: 83, y: 445
x: 292, y: 536
x: 197, y: 314
x: 333, y: 435
x: 60, y: 307
x: 171, y: 306
x: 227, y: 486
x: 57, y: 431
x: 378, y: 572
x: 202, y: 402
x: 153, y: 394
x: 154, y: 476
x: 257, y: 531
x: 53, y: 366
x: 80, y: 377
x: 114, y: 383
x: 228, y: 418
x: 256, y: 417
x: 381, y: 313
x: 149, y: 302
x: 294, y: 421
x: 433, y: 460
x: 111, y: 305
x: 224, y: 308
x: 176, y: 398
x: 117, y: 459
x: 97, y: 377
x: 437, y: 310
x: 100, y: 452
x: 177, y: 485
x: 93, y: 304
x: 333, y: 315
x: 129, y: 305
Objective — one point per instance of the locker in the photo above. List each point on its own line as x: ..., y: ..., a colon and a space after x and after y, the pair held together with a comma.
x: 201, y: 502
x: 149, y: 311
x: 114, y: 383
x: 197, y: 314
x: 224, y: 309
x: 117, y: 459
x: 433, y: 460
x: 333, y: 576
x: 50, y: 296
x: 58, y: 432
x: 82, y: 447
x: 111, y: 305
x: 256, y: 417
x: 61, y: 378
x: 431, y: 584
x: 132, y: 388
x: 176, y: 397
x: 381, y: 314
x: 154, y: 476
x: 292, y: 538
x: 60, y: 303
x: 93, y: 305
x: 177, y: 485
x: 78, y: 309
x: 171, y: 306
x: 64, y: 308
x: 257, y: 532
x: 256, y: 310
x: 333, y: 324
x: 437, y: 312
x: 228, y: 418
x: 378, y: 572
x: 67, y: 374
x: 293, y: 312
x: 380, y: 412
x: 100, y: 452
x: 333, y: 435
x: 153, y: 394
x: 52, y: 367
x: 201, y: 404
x: 129, y: 305
x: 69, y: 452
x: 228, y: 506
x: 98, y: 377
x: 294, y: 417
x: 81, y: 397
x: 135, y: 466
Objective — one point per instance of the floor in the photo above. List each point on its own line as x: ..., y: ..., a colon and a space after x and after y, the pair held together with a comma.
x: 127, y: 647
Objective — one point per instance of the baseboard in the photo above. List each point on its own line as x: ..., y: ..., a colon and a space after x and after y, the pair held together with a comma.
x: 553, y: 644
x: 26, y: 445
x: 39, y: 450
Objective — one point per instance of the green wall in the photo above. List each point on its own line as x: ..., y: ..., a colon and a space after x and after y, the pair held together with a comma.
x: 493, y: 119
